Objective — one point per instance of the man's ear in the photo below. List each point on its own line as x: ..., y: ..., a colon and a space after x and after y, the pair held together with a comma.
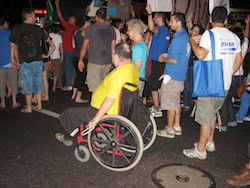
x: 210, y: 19
x: 226, y: 22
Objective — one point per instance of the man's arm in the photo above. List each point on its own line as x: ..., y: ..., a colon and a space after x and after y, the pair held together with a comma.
x: 14, y: 55
x: 164, y: 59
x: 138, y: 64
x: 61, y: 52
x: 82, y: 54
x: 151, y: 25
x: 106, y: 105
x: 113, y: 46
x: 238, y: 61
x: 199, y: 52
x: 59, y: 13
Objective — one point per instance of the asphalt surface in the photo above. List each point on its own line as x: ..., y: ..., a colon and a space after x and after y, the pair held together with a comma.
x: 30, y: 156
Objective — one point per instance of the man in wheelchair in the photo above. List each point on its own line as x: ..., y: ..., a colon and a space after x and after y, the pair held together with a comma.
x: 105, y: 100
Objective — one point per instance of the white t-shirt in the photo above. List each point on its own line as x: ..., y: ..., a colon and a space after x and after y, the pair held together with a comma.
x: 227, y: 44
x: 118, y: 35
x: 57, y: 40
x: 244, y: 48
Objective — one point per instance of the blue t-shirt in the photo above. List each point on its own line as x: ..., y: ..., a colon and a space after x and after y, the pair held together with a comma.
x: 5, y: 49
x: 179, y: 50
x: 160, y: 43
x: 139, y: 52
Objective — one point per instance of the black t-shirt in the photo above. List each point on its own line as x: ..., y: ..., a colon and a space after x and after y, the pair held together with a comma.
x: 17, y: 31
x: 100, y: 36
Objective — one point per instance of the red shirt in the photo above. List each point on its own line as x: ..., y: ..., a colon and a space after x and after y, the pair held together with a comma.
x: 69, y: 31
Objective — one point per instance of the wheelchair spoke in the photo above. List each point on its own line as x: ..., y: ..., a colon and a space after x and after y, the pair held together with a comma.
x: 103, y: 151
x: 115, y: 131
x: 127, y: 146
x: 113, y: 157
x: 106, y: 132
x: 124, y: 136
x: 100, y: 140
x: 145, y: 130
x: 123, y: 155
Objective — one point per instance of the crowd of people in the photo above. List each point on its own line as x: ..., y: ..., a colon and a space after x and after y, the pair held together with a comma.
x: 106, y: 57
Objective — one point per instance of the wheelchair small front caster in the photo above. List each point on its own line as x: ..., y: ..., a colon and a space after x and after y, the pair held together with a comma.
x: 82, y: 153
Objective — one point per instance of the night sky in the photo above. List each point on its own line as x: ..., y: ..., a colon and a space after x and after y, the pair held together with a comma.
x: 11, y: 9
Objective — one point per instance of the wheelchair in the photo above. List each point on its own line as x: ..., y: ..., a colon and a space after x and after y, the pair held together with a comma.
x: 116, y: 143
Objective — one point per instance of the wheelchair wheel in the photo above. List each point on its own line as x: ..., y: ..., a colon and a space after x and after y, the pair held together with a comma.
x: 121, y: 134
x: 149, y: 134
x: 82, y: 153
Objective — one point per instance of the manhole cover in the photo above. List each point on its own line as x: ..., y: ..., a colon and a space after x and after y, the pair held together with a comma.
x: 182, y: 176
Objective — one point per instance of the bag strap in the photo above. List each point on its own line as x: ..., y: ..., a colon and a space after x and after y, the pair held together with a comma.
x: 212, y: 44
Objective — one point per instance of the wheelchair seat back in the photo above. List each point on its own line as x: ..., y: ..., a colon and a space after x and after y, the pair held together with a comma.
x: 132, y: 108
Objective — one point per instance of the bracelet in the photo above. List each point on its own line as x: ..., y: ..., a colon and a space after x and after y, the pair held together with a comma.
x: 149, y: 14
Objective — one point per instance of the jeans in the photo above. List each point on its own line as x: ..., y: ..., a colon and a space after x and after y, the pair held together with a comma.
x: 244, y: 106
x: 69, y: 69
x: 227, y: 109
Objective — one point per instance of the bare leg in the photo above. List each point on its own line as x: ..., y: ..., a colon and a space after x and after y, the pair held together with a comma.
x: 79, y: 99
x: 177, y: 117
x: 2, y: 104
x: 155, y: 96
x: 171, y: 119
x: 212, y: 129
x: 39, y: 101
x: 54, y: 83
x: 28, y: 103
x: 46, y: 86
x: 74, y: 93
x: 15, y: 104
x: 203, y: 137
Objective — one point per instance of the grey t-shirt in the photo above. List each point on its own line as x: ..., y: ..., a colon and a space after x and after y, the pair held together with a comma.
x: 100, y: 36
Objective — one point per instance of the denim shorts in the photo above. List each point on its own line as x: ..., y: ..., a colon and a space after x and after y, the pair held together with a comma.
x: 31, y: 77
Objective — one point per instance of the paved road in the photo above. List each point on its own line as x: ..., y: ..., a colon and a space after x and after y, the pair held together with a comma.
x: 31, y: 157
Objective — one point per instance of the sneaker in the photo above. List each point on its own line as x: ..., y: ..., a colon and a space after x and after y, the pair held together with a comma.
x: 166, y: 133
x: 232, y: 124
x: 60, y: 137
x: 241, y: 179
x: 177, y: 131
x: 154, y: 112
x: 223, y: 128
x: 195, y: 153
x: 247, y: 119
x: 67, y: 88
x: 210, y: 146
x: 239, y: 121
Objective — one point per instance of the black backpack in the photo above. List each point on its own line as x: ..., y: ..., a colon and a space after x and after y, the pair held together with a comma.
x: 29, y: 47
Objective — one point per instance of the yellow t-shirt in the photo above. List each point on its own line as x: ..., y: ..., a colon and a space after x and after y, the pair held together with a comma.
x: 112, y: 86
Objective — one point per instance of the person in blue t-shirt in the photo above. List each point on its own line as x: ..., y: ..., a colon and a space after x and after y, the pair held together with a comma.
x: 175, y: 74
x: 7, y: 73
x: 159, y: 45
x: 136, y: 30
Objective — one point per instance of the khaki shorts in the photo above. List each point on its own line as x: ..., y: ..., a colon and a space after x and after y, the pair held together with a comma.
x: 170, y: 95
x: 207, y: 108
x: 96, y: 74
x: 11, y: 76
